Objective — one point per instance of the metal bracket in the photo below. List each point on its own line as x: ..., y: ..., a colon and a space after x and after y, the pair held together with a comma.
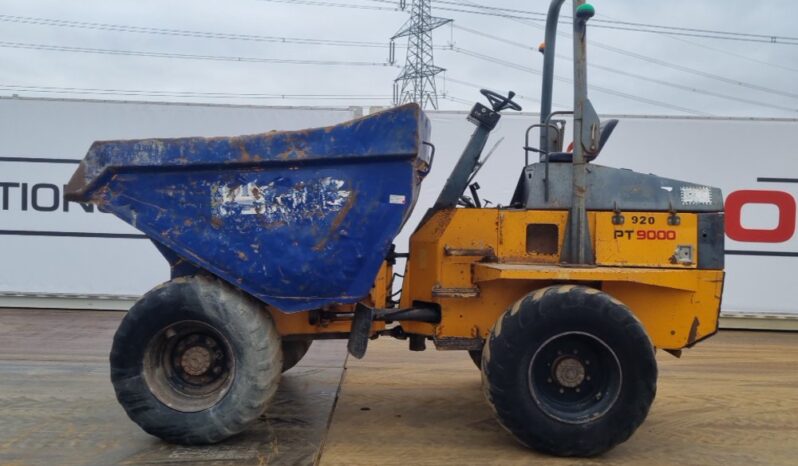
x: 617, y: 219
x: 673, y: 218
x: 484, y: 116
x: 361, y: 331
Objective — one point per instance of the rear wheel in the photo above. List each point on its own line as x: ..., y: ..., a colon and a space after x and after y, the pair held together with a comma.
x: 569, y: 371
x: 294, y: 351
x: 195, y: 361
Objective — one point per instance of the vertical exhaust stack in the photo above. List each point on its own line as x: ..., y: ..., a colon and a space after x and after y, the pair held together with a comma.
x: 550, y: 42
x: 577, y: 247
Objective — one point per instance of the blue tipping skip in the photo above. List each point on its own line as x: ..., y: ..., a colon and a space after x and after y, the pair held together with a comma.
x: 298, y: 219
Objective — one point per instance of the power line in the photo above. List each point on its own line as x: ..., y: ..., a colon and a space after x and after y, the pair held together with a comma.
x: 605, y: 90
x: 182, y: 33
x: 732, y: 54
x: 181, y: 56
x: 693, y: 71
x: 729, y: 53
x: 663, y: 63
x: 336, y: 5
x: 525, y: 20
x: 457, y: 99
x: 187, y: 94
x: 637, y: 76
x: 625, y: 25
x: 594, y: 20
x: 477, y: 86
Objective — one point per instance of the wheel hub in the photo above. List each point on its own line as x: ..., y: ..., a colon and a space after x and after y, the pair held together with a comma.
x: 189, y: 366
x: 196, y: 360
x: 574, y: 377
x: 569, y: 372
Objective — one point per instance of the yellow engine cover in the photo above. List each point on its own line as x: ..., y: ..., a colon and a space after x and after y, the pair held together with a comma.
x: 647, y: 239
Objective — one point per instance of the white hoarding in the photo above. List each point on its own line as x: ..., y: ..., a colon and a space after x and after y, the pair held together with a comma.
x: 48, y: 247
x: 51, y: 247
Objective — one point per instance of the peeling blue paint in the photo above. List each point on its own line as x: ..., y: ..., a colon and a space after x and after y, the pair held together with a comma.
x: 280, y: 202
x: 298, y: 219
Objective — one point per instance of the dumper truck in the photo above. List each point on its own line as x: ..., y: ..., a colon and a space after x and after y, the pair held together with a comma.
x: 561, y: 296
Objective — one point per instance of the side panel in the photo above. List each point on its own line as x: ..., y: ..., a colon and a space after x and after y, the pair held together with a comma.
x: 677, y: 307
x: 647, y: 239
x: 674, y: 319
x: 320, y: 239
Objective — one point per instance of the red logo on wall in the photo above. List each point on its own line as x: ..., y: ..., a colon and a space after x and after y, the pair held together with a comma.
x: 784, y: 231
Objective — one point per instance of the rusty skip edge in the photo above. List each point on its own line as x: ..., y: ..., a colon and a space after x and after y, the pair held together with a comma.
x: 396, y: 133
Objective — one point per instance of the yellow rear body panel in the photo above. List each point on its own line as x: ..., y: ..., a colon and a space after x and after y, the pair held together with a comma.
x: 475, y: 263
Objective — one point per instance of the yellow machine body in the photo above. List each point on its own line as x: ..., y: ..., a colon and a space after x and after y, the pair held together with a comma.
x: 476, y: 263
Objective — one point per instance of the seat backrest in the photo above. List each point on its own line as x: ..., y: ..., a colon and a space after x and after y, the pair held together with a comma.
x: 605, y: 130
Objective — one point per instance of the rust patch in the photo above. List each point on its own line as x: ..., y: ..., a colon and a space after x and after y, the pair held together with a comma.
x: 339, y: 219
x: 437, y: 291
x: 458, y: 343
x: 242, y: 149
x: 75, y: 189
x: 691, y: 337
x: 468, y: 252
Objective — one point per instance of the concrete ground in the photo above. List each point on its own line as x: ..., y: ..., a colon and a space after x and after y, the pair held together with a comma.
x: 732, y: 400
x: 57, y: 405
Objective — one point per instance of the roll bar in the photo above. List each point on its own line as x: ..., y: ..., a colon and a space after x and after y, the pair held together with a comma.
x: 577, y: 247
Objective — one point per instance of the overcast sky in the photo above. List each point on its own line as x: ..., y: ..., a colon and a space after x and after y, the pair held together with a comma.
x: 767, y: 72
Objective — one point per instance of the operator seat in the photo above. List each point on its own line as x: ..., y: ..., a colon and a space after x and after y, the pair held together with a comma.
x: 605, y: 130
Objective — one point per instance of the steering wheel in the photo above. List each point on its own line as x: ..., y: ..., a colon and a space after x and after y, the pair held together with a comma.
x: 500, y: 102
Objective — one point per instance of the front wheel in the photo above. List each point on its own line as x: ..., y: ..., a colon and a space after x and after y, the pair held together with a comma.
x: 195, y: 361
x: 569, y: 371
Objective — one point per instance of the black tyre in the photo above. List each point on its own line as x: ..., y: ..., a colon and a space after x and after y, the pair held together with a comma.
x: 569, y: 371
x: 294, y: 351
x: 476, y: 356
x: 195, y: 361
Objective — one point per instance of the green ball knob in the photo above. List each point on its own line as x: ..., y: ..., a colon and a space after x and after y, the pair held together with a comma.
x: 585, y: 11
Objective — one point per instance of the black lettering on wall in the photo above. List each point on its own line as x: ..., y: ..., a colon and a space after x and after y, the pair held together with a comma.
x: 5, y: 187
x: 54, y: 200
x: 24, y: 196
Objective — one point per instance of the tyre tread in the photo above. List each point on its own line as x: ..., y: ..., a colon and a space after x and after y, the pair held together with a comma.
x: 498, y: 380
